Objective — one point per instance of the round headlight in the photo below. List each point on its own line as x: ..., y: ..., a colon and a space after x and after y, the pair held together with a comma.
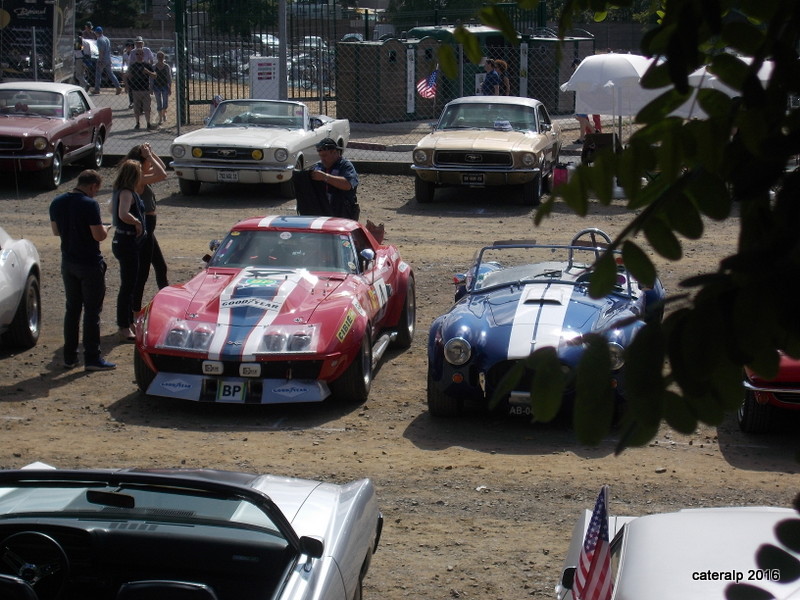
x: 281, y: 154
x: 617, y: 355
x: 40, y: 143
x: 420, y: 156
x: 197, y: 152
x: 257, y: 154
x: 178, y: 151
x: 529, y: 160
x: 457, y: 351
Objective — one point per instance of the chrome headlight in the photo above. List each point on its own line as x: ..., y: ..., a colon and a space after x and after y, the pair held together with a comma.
x: 281, y: 154
x: 289, y: 338
x: 529, y: 160
x: 178, y: 151
x: 40, y: 143
x: 420, y: 157
x: 187, y: 335
x: 457, y: 351
x: 617, y: 353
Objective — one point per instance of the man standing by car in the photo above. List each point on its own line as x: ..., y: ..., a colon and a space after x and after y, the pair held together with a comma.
x: 104, y: 62
x: 75, y: 217
x: 338, y: 179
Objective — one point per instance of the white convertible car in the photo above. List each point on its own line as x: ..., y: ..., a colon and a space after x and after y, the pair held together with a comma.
x: 20, y: 308
x: 692, y: 554
x: 253, y: 141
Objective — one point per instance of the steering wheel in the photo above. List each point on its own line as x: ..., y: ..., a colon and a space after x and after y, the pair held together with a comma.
x: 38, y: 559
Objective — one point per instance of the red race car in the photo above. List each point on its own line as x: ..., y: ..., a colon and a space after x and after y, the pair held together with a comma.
x: 762, y: 397
x: 288, y: 309
x: 45, y: 126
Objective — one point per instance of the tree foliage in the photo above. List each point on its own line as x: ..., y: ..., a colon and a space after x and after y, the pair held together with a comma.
x: 739, y: 159
x: 111, y: 13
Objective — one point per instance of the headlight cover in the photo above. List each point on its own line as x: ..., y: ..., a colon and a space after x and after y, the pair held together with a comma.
x: 529, y: 160
x: 40, y: 143
x: 281, y: 154
x: 420, y: 157
x: 457, y: 351
x: 617, y: 355
x: 197, y: 152
x: 178, y: 151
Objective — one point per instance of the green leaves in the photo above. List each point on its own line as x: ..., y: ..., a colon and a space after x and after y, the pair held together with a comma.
x: 594, y: 395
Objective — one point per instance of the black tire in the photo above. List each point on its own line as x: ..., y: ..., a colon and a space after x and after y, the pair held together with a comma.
x: 51, y: 176
x: 189, y: 187
x: 407, y: 323
x: 532, y: 191
x: 355, y: 383
x: 752, y: 416
x: 95, y: 158
x: 26, y: 326
x: 143, y: 374
x: 439, y: 403
x: 424, y: 191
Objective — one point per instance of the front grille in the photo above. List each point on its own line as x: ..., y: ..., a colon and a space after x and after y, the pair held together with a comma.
x: 472, y: 158
x: 10, y: 143
x: 224, y: 153
x: 499, y: 370
x: 788, y: 397
x: 279, y: 369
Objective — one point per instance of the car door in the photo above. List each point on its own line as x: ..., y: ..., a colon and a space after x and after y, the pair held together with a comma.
x: 80, y: 128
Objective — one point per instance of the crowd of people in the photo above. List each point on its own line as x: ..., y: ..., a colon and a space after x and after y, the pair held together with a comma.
x: 145, y: 73
x: 76, y: 217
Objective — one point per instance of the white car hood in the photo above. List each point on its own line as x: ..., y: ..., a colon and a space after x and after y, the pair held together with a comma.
x: 245, y: 137
x: 480, y: 139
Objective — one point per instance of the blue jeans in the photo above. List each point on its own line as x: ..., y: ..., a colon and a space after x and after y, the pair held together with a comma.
x: 162, y: 97
x: 98, y: 75
x: 126, y: 249
x: 85, y: 290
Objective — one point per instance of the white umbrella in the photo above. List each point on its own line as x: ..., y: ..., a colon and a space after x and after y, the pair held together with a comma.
x: 609, y: 84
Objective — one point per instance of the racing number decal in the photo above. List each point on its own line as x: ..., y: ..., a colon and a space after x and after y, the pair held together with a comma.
x: 346, y: 326
x: 380, y: 294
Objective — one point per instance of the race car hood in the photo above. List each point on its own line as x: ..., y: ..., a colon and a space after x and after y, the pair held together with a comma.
x: 540, y: 315
x: 483, y: 140
x: 236, y: 309
x: 242, y: 137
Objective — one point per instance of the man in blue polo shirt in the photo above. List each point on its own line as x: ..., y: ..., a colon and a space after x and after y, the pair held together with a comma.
x: 75, y: 217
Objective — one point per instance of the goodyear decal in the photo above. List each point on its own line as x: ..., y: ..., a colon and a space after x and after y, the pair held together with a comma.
x: 251, y: 302
x: 346, y: 325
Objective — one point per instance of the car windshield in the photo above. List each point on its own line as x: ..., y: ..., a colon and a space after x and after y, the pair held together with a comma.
x: 512, y: 263
x: 286, y: 250
x: 31, y: 103
x: 259, y: 113
x: 155, y: 503
x: 496, y: 115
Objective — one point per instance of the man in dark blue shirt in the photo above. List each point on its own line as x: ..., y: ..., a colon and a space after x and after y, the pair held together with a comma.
x: 338, y: 178
x: 491, y: 83
x: 75, y: 217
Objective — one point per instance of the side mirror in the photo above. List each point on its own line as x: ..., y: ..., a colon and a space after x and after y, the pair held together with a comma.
x: 546, y: 127
x: 568, y: 578
x: 311, y: 546
x: 367, y: 256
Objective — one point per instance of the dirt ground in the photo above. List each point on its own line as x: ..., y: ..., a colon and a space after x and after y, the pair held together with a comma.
x: 475, y: 507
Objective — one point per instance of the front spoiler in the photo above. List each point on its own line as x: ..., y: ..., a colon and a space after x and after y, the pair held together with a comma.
x: 237, y: 390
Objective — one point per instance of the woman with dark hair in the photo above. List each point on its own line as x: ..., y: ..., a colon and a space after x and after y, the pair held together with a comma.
x: 127, y: 210
x: 153, y: 171
x: 505, y: 82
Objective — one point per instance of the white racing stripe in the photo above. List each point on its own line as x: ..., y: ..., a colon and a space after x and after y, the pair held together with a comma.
x: 254, y: 339
x: 539, y: 318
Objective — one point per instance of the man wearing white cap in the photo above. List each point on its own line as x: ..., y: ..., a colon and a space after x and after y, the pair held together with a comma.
x: 147, y: 54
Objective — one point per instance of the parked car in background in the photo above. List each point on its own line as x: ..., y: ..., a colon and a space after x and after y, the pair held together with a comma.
x: 518, y: 297
x: 692, y: 554
x: 253, y: 141
x: 45, y: 126
x: 20, y: 296
x: 766, y: 398
x: 483, y: 141
x: 312, y: 42
x: 266, y: 43
x: 289, y: 309
x: 184, y: 533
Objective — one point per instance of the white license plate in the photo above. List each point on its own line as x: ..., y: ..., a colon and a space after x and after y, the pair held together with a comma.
x: 472, y: 179
x: 231, y: 391
x: 228, y: 176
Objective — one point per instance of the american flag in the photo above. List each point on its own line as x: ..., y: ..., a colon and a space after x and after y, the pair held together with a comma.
x: 593, y: 575
x: 426, y: 87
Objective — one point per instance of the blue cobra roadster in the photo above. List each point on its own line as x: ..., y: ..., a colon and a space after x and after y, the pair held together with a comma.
x: 520, y: 296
